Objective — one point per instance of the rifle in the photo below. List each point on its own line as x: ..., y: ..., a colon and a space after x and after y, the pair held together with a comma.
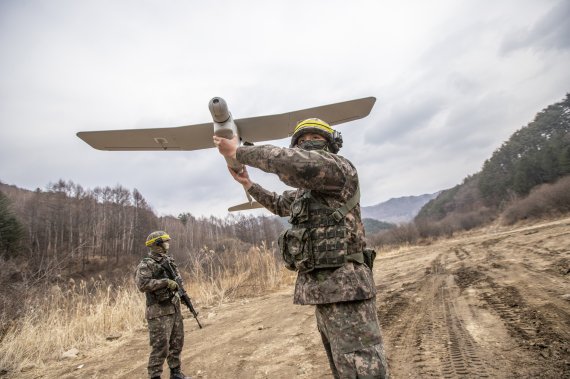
x: 181, y: 291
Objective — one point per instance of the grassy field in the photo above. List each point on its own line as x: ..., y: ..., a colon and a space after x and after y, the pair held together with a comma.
x: 83, y: 314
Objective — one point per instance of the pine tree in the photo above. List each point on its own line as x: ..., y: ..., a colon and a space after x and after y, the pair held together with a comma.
x: 11, y: 231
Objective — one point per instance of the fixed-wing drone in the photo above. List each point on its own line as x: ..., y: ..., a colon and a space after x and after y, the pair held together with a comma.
x: 249, y: 130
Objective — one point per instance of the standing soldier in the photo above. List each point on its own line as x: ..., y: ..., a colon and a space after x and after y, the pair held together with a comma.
x: 326, y: 242
x: 162, y: 307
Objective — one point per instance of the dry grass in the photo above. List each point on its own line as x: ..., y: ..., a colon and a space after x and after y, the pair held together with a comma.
x: 238, y: 274
x: 547, y: 200
x: 85, y: 313
x: 78, y: 317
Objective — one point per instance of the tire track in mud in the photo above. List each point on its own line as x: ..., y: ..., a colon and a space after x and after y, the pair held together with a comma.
x: 525, y: 320
x: 535, y: 263
x: 488, y: 306
x: 462, y: 358
x: 461, y: 253
x: 408, y: 326
x: 430, y: 335
x: 528, y: 326
x: 501, y: 301
x: 424, y: 339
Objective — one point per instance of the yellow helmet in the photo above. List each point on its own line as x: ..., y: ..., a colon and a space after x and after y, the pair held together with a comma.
x: 156, y: 238
x: 318, y: 126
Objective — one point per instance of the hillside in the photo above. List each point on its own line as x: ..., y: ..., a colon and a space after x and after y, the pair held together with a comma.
x: 536, y: 154
x: 493, y: 303
x: 372, y: 226
x: 397, y: 210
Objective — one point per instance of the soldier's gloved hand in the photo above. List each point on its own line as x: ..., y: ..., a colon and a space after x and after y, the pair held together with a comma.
x: 227, y: 147
x: 172, y: 285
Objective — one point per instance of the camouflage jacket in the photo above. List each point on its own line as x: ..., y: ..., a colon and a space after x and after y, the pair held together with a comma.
x: 151, y: 278
x: 334, y: 180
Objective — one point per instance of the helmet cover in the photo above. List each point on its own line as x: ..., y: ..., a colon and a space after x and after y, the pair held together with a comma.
x: 320, y: 127
x: 154, y: 238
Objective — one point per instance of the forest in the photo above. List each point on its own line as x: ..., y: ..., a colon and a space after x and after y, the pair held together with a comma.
x: 536, y: 154
x: 66, y: 230
x: 527, y: 177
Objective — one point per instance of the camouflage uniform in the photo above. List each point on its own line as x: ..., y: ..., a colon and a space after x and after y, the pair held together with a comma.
x: 344, y: 296
x: 163, y: 314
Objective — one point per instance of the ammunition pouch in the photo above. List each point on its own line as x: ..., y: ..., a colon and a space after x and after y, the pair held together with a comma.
x: 319, y: 236
x: 330, y: 247
x: 369, y: 255
x: 300, y: 254
x: 300, y: 210
x: 296, y: 250
x: 161, y: 296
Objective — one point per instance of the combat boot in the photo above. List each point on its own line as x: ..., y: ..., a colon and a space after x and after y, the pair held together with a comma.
x: 177, y: 374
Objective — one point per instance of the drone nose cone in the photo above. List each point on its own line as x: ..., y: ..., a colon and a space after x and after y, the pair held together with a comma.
x: 219, y: 109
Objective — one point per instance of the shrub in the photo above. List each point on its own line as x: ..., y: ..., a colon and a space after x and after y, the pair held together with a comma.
x: 544, y: 200
x: 403, y: 234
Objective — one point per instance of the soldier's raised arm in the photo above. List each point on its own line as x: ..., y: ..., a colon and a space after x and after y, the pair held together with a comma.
x: 275, y: 203
x: 311, y: 166
x: 298, y: 168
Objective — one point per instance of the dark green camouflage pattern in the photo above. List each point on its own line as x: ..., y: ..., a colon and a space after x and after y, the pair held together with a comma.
x: 166, y: 341
x: 352, y: 339
x: 345, y: 296
x: 164, y: 316
x: 151, y: 279
x: 333, y: 180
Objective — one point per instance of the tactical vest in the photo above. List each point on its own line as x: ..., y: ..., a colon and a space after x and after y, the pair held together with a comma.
x: 162, y: 295
x: 319, y: 235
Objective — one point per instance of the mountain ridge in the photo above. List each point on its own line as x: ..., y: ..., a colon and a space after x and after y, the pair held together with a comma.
x: 397, y: 210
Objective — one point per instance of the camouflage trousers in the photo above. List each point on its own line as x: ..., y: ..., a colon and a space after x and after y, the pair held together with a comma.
x: 166, y: 341
x: 352, y: 339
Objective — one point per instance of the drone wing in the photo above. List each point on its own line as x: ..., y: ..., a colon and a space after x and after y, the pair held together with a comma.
x: 245, y: 206
x: 190, y: 137
x: 253, y: 129
x: 267, y: 128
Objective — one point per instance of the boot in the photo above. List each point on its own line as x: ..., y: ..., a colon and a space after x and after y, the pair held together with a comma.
x: 177, y: 374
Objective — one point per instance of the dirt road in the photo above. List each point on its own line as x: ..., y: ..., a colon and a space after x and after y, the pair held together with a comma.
x: 491, y: 304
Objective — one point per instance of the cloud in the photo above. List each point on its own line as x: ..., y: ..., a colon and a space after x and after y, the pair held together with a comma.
x: 404, y: 117
x: 552, y: 31
x: 453, y: 80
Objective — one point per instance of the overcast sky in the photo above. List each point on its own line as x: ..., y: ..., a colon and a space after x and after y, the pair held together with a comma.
x: 453, y: 80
